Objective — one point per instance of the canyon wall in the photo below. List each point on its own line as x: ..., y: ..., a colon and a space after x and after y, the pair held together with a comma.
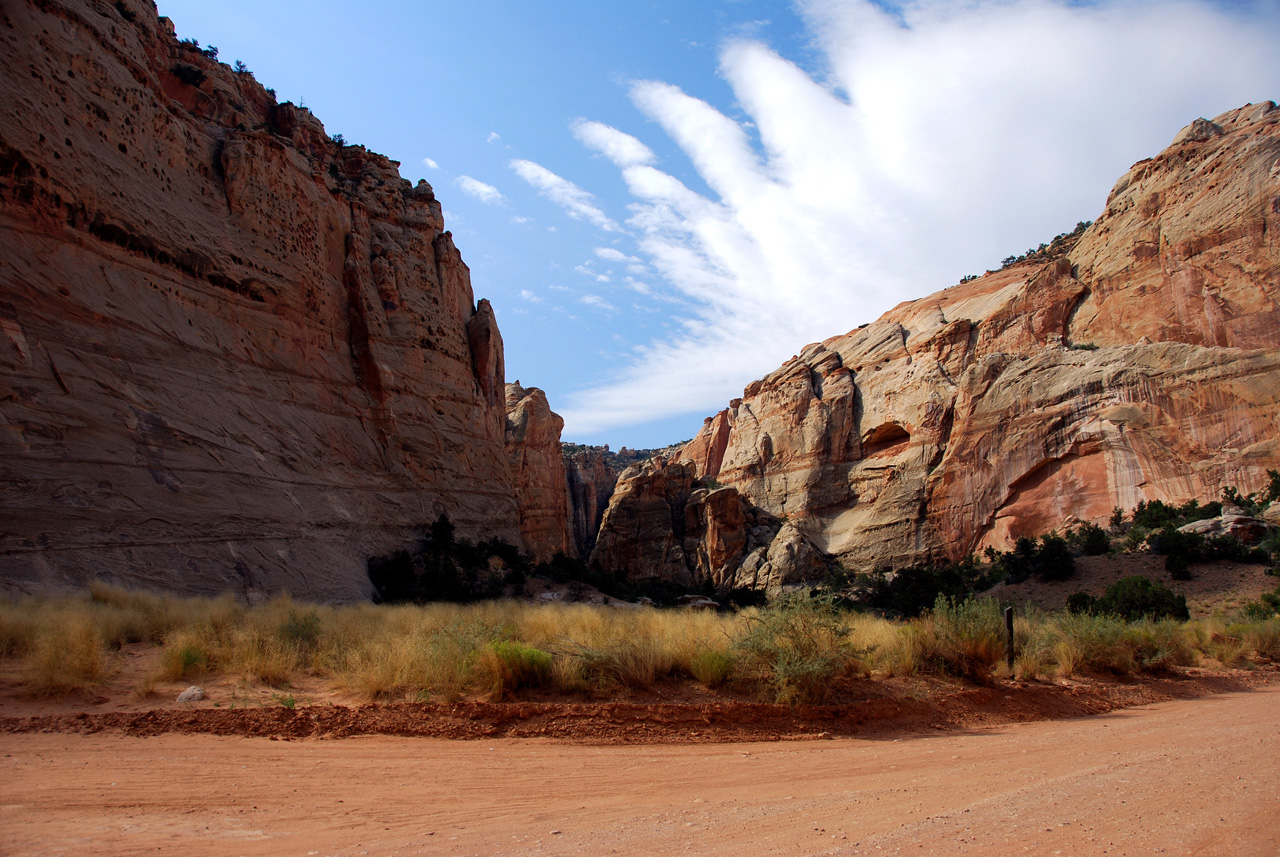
x: 236, y: 354
x: 1144, y: 363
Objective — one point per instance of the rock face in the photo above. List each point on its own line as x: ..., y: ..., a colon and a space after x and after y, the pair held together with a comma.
x: 590, y: 477
x: 537, y: 469
x: 664, y: 523
x: 1143, y: 364
x: 235, y: 354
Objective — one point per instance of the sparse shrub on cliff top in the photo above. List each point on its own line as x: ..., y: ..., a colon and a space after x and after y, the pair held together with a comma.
x: 188, y: 74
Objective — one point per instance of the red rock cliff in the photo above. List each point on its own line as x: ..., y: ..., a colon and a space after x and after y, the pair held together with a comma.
x: 537, y: 468
x: 1143, y: 364
x: 235, y: 354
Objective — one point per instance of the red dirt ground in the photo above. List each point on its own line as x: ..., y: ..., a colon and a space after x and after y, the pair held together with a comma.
x: 950, y: 774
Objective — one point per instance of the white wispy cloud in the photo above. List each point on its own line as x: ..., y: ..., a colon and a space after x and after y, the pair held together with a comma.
x: 611, y: 254
x: 486, y: 193
x: 938, y: 138
x: 577, y: 203
x: 621, y: 148
x: 493, y: 137
x: 529, y: 296
x: 597, y: 302
x: 594, y: 274
x: 430, y: 164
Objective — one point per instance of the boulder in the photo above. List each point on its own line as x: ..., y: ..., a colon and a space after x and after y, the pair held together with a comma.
x: 191, y: 694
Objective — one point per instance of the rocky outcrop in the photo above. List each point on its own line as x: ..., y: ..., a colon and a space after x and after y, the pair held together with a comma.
x: 537, y: 469
x: 1142, y: 364
x: 590, y: 477
x: 665, y: 524
x: 642, y: 535
x: 1233, y: 522
x: 236, y: 353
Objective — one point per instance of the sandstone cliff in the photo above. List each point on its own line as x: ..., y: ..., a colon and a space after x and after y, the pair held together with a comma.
x: 1145, y: 364
x: 235, y: 353
x: 537, y: 468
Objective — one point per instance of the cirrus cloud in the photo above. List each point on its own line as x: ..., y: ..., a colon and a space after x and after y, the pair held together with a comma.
x: 576, y: 202
x: 486, y: 193
x: 932, y: 140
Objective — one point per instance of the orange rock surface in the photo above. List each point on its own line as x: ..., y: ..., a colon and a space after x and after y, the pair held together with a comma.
x: 1142, y: 364
x: 537, y: 469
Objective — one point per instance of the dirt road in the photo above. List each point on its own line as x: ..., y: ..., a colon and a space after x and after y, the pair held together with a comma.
x: 1184, y: 777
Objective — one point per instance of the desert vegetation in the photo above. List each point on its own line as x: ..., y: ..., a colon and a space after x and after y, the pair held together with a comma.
x: 800, y: 649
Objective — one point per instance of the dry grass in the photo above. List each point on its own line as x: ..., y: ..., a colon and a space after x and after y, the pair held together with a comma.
x: 444, y: 651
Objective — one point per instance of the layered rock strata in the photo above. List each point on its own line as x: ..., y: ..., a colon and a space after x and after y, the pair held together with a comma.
x: 1145, y: 364
x: 236, y: 353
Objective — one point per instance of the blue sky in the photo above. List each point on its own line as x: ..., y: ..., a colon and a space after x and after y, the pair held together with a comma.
x: 665, y: 200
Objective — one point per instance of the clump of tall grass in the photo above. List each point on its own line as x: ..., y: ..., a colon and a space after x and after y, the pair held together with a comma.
x: 66, y: 656
x: 964, y: 638
x: 508, y: 666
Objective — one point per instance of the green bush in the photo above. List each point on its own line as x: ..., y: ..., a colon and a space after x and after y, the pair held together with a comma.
x: 1090, y: 539
x: 1178, y: 548
x: 1050, y: 559
x: 1136, y: 597
x: 799, y: 645
x: 511, y: 666
x: 301, y: 630
x: 1266, y: 607
x: 912, y: 591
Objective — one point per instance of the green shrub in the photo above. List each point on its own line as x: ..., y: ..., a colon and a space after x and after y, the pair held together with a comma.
x: 1136, y: 597
x: 1050, y: 559
x: 1090, y: 540
x: 1179, y: 549
x: 1266, y: 607
x: 799, y: 645
x: 912, y: 591
x: 511, y: 666
x: 301, y: 630
x: 1080, y: 602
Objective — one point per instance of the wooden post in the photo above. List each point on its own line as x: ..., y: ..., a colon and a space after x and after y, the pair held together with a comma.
x: 1008, y: 625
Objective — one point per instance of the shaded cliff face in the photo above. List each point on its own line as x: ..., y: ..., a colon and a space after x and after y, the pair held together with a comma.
x: 1143, y: 365
x: 590, y: 477
x: 235, y: 354
x: 537, y: 469
x: 664, y: 522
